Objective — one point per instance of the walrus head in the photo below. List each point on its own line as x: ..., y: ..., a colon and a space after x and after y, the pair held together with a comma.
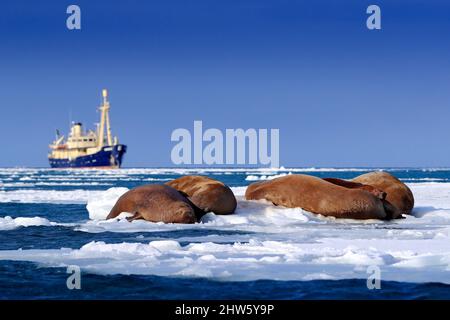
x: 182, y: 213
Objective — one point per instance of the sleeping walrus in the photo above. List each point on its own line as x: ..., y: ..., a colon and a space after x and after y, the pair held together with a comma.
x: 207, y: 194
x: 323, y: 197
x: 397, y: 193
x: 156, y: 203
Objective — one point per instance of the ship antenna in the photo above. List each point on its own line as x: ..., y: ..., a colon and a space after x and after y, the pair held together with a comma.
x: 70, y: 117
x: 104, y: 121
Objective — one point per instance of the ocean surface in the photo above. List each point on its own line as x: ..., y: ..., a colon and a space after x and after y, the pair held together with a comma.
x: 52, y: 219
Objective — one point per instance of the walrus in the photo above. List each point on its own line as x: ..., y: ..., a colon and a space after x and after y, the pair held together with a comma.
x: 209, y: 195
x: 397, y: 193
x: 156, y: 203
x: 321, y: 197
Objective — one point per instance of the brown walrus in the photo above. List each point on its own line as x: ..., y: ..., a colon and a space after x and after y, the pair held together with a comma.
x: 397, y: 192
x: 156, y: 203
x: 207, y: 194
x: 322, y: 197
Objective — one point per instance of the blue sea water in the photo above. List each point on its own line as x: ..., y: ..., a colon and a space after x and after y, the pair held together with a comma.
x: 28, y: 193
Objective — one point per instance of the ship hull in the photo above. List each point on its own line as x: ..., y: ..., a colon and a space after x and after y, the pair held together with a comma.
x: 108, y: 157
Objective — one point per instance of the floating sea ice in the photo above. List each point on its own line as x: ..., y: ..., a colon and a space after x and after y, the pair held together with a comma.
x: 47, y: 196
x: 99, y: 205
x: 8, y: 223
x: 265, y: 177
x: 327, y: 259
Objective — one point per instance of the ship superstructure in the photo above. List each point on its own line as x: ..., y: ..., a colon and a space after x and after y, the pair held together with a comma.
x: 88, y: 149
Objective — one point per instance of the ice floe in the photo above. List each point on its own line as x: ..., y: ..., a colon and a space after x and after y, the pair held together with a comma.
x: 8, y: 223
x: 329, y: 258
x: 47, y: 196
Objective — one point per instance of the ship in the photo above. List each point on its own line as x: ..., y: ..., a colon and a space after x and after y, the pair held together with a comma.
x: 91, y: 149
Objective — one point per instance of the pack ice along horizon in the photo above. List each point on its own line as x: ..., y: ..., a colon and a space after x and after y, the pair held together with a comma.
x: 91, y: 149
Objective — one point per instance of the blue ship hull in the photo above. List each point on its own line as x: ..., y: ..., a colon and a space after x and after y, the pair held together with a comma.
x: 108, y: 157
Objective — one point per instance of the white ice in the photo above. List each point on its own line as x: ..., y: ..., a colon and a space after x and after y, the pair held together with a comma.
x: 8, y: 223
x: 47, y: 196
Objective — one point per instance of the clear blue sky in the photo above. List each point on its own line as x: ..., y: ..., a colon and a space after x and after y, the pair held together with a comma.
x: 340, y: 94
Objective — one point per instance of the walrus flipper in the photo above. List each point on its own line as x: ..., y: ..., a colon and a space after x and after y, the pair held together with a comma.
x: 392, y: 211
x: 135, y: 216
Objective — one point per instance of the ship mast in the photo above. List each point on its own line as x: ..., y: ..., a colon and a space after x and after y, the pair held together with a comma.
x: 104, y: 121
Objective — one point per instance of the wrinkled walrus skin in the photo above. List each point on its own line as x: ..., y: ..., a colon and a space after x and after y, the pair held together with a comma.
x: 355, y: 185
x: 207, y: 194
x: 397, y: 193
x: 321, y: 197
x: 156, y: 203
